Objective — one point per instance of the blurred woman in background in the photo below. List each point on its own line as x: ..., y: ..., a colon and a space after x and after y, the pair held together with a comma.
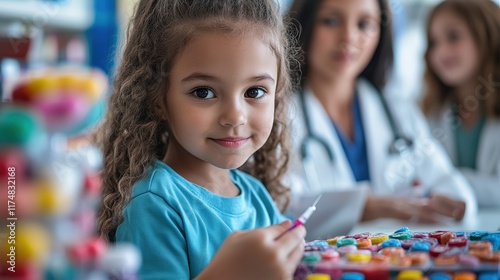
x: 350, y: 134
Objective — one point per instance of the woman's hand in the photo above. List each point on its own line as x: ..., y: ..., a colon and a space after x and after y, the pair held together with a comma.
x: 421, y: 210
x: 258, y: 254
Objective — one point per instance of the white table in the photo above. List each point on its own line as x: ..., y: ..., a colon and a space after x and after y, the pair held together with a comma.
x: 487, y: 219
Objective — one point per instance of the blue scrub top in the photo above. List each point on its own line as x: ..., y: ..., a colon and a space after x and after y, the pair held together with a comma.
x: 355, y: 150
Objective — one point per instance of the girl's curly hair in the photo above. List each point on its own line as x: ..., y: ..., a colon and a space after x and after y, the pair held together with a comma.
x: 132, y: 131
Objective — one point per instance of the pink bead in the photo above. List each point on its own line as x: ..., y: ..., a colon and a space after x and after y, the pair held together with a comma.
x: 468, y: 260
x: 347, y: 249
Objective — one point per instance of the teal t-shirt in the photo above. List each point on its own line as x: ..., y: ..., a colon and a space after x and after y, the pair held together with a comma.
x: 179, y: 226
x: 467, y: 143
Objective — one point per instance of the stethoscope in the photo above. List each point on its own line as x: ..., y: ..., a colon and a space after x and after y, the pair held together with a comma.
x: 400, y: 145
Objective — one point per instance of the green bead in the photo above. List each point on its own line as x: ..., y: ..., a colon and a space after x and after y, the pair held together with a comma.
x: 311, y: 257
x: 17, y: 127
x: 400, y: 235
x: 346, y: 241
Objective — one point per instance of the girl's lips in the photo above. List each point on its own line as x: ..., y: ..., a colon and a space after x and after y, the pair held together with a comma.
x: 230, y: 142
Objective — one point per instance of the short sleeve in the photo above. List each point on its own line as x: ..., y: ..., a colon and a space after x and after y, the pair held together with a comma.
x: 157, y: 230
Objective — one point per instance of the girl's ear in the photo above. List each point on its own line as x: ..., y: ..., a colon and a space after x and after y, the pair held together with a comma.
x: 160, y: 110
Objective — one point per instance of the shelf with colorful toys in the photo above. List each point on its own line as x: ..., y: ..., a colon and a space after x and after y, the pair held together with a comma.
x: 49, y: 181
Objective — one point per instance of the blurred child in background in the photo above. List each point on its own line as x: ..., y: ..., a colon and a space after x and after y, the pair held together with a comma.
x: 462, y: 95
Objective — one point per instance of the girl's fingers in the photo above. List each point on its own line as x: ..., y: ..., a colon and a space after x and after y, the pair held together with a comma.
x: 295, y: 257
x: 296, y: 254
x: 291, y: 239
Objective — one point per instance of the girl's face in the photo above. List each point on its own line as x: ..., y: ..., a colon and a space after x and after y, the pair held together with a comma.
x: 344, y: 38
x: 453, y: 54
x: 220, y: 104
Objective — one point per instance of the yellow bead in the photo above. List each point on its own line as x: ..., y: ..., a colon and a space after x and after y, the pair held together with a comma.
x: 410, y: 275
x: 333, y: 241
x: 50, y: 200
x: 91, y: 88
x: 357, y: 257
x: 42, y: 86
x: 32, y: 243
x: 318, y: 276
x: 68, y: 81
x: 379, y: 238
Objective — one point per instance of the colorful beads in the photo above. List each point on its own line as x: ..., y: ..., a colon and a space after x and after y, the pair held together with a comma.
x: 391, y: 243
x: 378, y: 238
x: 401, y: 235
x: 477, y: 235
x: 452, y: 252
x: 318, y: 276
x: 410, y: 275
x: 346, y: 241
x: 358, y: 257
x: 333, y: 241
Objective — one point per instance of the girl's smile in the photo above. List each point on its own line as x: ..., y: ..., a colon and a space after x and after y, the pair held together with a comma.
x: 230, y: 142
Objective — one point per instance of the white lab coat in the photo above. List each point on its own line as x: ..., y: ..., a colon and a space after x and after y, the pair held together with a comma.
x: 485, y: 181
x: 432, y: 166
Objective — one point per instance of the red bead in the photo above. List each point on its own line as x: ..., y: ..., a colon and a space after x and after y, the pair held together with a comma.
x: 437, y: 234
x: 438, y: 250
x: 458, y: 242
x: 78, y: 253
x: 21, y: 95
x: 92, y: 184
x: 11, y: 159
x: 96, y: 247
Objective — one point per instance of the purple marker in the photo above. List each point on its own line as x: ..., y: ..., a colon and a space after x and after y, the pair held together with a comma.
x: 302, y: 219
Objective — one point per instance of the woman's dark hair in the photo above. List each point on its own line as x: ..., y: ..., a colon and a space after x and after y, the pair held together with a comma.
x: 303, y: 14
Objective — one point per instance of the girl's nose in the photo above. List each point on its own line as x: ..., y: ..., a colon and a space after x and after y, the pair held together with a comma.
x: 233, y: 114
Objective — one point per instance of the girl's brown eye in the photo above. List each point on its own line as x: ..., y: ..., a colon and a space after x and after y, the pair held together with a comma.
x: 203, y: 93
x: 255, y: 93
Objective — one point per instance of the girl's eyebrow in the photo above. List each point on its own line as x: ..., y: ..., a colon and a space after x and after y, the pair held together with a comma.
x: 200, y: 76
x: 208, y: 78
x: 261, y: 77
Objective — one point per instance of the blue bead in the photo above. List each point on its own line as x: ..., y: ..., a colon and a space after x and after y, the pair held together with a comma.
x: 420, y: 247
x: 403, y: 229
x: 353, y: 276
x: 440, y: 276
x: 494, y: 240
x: 488, y: 276
x: 319, y: 243
x: 391, y: 243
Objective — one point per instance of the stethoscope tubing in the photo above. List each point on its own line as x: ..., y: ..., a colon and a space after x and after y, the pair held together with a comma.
x: 399, y: 145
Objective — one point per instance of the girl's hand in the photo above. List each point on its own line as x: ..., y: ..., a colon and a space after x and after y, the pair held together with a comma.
x: 257, y: 254
x: 421, y: 210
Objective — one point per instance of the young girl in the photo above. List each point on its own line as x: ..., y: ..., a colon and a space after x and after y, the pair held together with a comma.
x: 462, y: 97
x: 201, y: 90
x: 350, y: 133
